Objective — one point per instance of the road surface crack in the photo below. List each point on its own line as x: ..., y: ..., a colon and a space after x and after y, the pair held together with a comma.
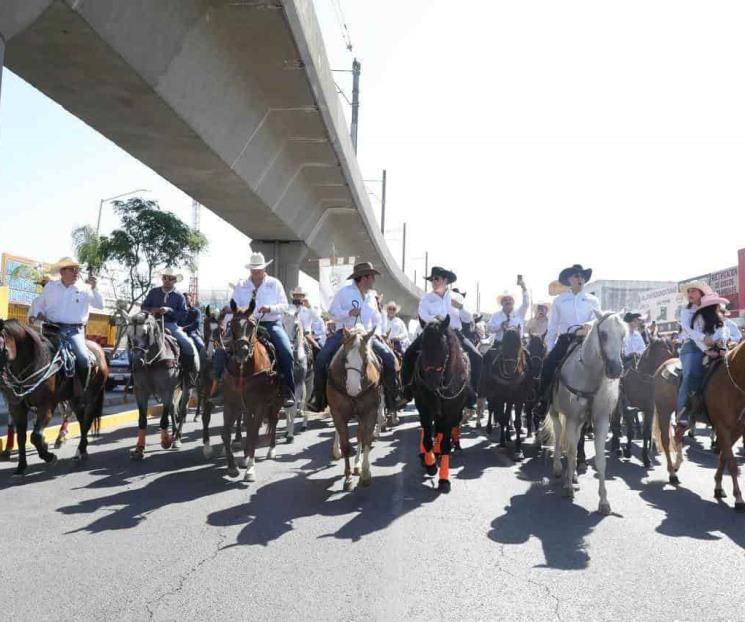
x: 183, y: 578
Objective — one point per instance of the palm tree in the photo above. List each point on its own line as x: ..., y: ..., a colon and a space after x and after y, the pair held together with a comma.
x: 88, y: 248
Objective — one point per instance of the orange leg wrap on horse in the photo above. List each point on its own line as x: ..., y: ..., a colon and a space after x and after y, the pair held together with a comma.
x: 421, y: 443
x: 455, y: 433
x: 141, y: 438
x: 445, y: 467
x: 438, y: 441
x: 429, y: 458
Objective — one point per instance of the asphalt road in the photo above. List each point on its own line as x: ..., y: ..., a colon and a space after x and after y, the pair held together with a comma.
x: 171, y: 538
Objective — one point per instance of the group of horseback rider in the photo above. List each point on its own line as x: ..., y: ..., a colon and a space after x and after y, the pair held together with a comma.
x: 705, y: 331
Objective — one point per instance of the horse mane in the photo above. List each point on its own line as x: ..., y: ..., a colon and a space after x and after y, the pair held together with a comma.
x: 22, y: 335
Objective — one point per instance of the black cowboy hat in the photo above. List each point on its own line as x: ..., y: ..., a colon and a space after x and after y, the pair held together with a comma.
x: 631, y: 316
x: 438, y: 271
x: 457, y: 291
x: 575, y: 269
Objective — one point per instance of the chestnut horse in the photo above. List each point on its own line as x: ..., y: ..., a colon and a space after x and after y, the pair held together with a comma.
x: 440, y: 388
x: 33, y: 375
x: 353, y: 391
x: 250, y: 390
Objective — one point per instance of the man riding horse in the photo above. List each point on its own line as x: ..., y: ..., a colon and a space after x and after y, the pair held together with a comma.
x: 168, y: 303
x: 67, y: 304
x: 572, y: 311
x: 633, y: 344
x: 440, y: 303
x: 308, y: 318
x: 271, y: 304
x: 193, y: 323
x: 507, y: 317
x: 538, y: 324
x: 355, y: 305
x: 394, y: 328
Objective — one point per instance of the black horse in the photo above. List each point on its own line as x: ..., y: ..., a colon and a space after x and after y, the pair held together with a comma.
x: 536, y: 354
x: 507, y: 383
x: 440, y: 388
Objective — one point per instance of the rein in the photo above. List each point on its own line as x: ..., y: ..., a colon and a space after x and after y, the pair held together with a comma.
x: 588, y: 395
x: 443, y: 390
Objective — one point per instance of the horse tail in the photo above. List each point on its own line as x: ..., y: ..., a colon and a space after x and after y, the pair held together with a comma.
x: 97, y: 414
x: 546, y: 433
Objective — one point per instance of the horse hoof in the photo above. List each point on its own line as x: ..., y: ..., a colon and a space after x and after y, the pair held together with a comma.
x: 207, y: 451
x: 627, y: 453
x: 519, y: 456
x: 80, y: 456
x: 674, y: 480
x: 740, y: 507
x: 5, y: 455
x: 176, y: 443
x: 233, y: 471
x: 443, y: 486
x: 431, y: 470
x: 568, y: 492
x: 242, y: 462
x: 581, y: 467
x: 356, y: 471
x: 647, y: 463
x: 304, y: 427
x: 236, y: 445
x: 165, y: 441
x: 290, y: 440
x: 272, y: 453
x: 715, y: 449
x: 604, y: 509
x: 250, y: 476
x: 58, y: 443
x: 348, y: 484
x: 19, y: 472
x: 366, y: 481
x: 557, y: 474
x: 503, y: 445
x: 138, y: 453
x: 719, y: 493
x: 52, y: 460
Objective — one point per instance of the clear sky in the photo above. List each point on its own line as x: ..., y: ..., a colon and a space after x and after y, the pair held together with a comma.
x: 518, y: 137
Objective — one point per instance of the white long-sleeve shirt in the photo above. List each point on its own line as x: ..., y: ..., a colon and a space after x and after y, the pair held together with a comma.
x: 433, y: 305
x: 695, y: 333
x: 343, y: 303
x: 67, y: 304
x: 633, y: 343
x: 397, y: 330
x: 570, y: 311
x: 270, y: 293
x: 515, y: 320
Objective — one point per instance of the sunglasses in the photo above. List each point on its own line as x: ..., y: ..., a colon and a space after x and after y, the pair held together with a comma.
x: 169, y: 278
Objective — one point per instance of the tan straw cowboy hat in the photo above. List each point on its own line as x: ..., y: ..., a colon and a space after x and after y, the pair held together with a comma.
x: 65, y: 262
x: 555, y: 288
x: 258, y: 262
x: 702, y: 286
x: 171, y: 272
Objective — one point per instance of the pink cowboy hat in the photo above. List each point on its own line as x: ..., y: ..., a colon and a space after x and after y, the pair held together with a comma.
x: 712, y: 298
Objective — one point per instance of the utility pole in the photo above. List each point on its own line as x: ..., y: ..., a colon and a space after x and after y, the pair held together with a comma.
x: 382, y: 210
x: 196, y: 221
x: 478, y: 297
x: 356, y: 67
x: 403, y: 254
x: 426, y: 269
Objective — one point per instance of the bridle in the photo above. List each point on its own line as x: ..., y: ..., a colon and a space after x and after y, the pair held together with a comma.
x: 446, y: 391
x: 145, y: 349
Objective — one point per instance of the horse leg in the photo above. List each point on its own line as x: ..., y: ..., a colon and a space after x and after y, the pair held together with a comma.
x: 732, y: 467
x: 518, y: 418
x: 138, y: 453
x: 183, y: 403
x: 647, y: 434
x: 206, y: 416
x: 574, y: 436
x: 718, y: 490
x: 489, y: 415
x: 502, y: 417
x: 480, y: 403
x: 430, y: 462
x: 455, y: 438
x: 601, y: 431
x: 240, y: 421
x: 229, y: 417
x: 290, y: 415
x: 630, y: 418
x: 87, y: 414
x: 581, y: 457
x: 20, y: 417
x: 556, y: 420
x: 518, y: 456
x: 443, y: 485
x: 665, y: 430
x: 166, y: 440
x: 43, y: 415
x: 253, y: 421
x: 365, y: 429
x: 345, y: 447
x: 62, y: 435
x: 9, y: 441
x: 271, y: 431
x: 616, y: 416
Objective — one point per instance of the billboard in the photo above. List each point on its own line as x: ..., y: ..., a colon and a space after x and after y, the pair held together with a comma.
x: 662, y: 306
x: 332, y: 274
x: 724, y: 282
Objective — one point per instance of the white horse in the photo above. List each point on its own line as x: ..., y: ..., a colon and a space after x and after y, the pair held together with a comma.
x: 586, y: 386
x: 294, y: 328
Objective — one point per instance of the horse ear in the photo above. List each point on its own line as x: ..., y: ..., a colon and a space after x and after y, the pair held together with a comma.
x: 598, y: 314
x: 445, y: 322
x: 233, y: 306
x: 346, y: 333
x: 207, y: 311
x: 422, y: 323
x: 252, y: 306
x: 370, y: 333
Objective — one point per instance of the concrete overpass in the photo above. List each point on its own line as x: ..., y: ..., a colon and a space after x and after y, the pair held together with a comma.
x: 232, y: 101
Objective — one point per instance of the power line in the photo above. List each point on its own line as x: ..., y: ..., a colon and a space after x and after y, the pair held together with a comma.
x: 345, y: 35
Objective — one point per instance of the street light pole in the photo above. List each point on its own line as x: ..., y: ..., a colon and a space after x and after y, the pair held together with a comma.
x: 382, y: 210
x: 118, y: 196
x: 356, y: 67
x: 403, y: 253
x: 426, y: 269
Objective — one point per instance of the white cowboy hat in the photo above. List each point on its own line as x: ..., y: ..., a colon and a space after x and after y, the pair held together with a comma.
x: 171, y: 272
x: 258, y: 262
x: 65, y: 262
x: 555, y: 288
x: 702, y: 286
x: 298, y: 291
x: 505, y: 294
x: 541, y: 303
x: 392, y: 303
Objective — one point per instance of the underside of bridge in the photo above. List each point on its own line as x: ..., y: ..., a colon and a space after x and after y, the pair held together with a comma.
x: 231, y: 101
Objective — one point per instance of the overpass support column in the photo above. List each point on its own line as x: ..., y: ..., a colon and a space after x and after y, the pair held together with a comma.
x: 2, y: 56
x: 288, y: 258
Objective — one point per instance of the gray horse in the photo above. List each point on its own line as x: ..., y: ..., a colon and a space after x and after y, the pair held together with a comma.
x: 586, y: 389
x: 294, y: 328
x: 154, y: 357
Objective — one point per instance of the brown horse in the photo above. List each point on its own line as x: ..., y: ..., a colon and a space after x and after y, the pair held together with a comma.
x: 353, y: 390
x: 32, y: 375
x: 250, y: 390
x: 637, y: 393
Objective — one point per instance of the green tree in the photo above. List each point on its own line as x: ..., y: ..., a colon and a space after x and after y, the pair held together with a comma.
x: 148, y: 240
x: 88, y: 248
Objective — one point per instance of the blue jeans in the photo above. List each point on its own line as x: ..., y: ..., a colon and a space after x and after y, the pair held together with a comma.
x: 691, y: 358
x: 197, y: 339
x: 75, y: 338
x: 283, y: 347
x: 184, y: 343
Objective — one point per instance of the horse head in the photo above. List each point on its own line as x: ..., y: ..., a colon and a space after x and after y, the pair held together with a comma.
x: 212, y: 332
x: 242, y: 332
x: 357, y: 352
x: 511, y: 351
x: 143, y: 332
x: 537, y: 352
x: 611, y: 331
x: 657, y: 352
x: 435, y: 353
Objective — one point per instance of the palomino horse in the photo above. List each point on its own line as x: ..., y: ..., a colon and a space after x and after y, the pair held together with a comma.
x: 353, y: 390
x: 637, y: 392
x: 156, y: 371
x: 301, y: 361
x: 507, y: 381
x: 536, y: 354
x: 250, y: 390
x: 33, y: 375
x: 586, y: 390
x: 441, y: 378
